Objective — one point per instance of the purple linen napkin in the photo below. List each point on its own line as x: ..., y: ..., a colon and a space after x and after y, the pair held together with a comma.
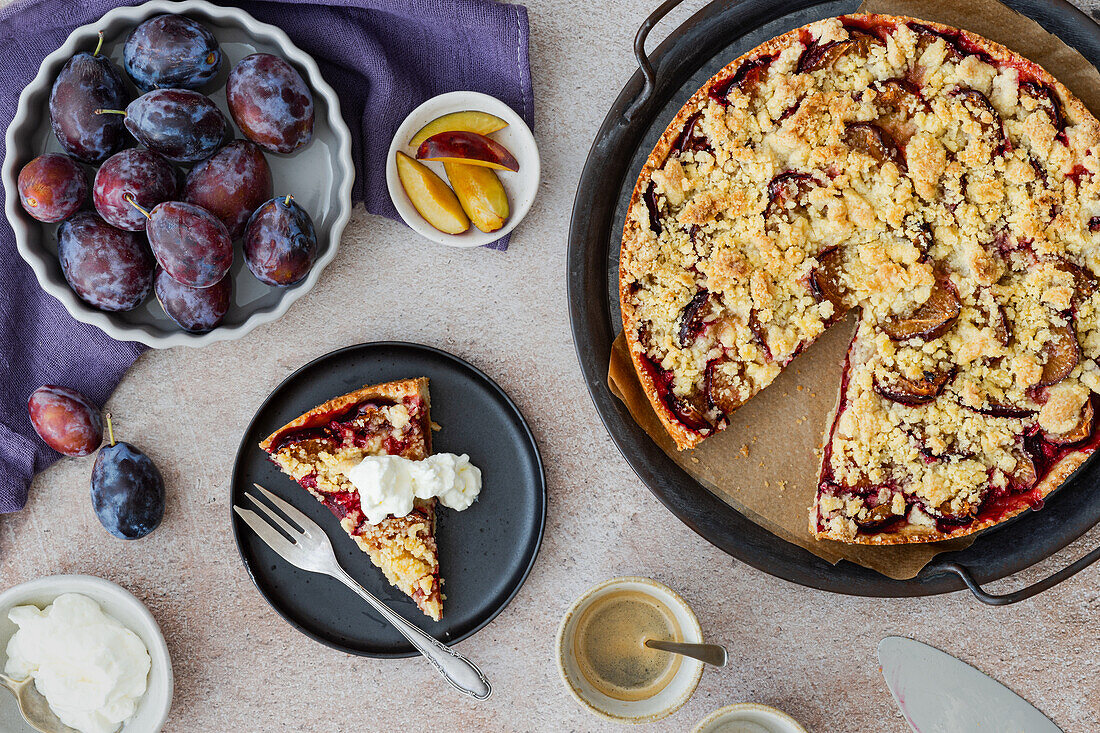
x: 383, y: 57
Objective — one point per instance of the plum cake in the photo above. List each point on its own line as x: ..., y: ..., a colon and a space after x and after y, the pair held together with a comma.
x: 934, y: 181
x: 317, y: 450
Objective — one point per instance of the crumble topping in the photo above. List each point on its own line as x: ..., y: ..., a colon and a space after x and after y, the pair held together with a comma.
x: 944, y: 187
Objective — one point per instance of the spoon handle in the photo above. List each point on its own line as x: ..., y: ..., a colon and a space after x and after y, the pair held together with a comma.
x: 709, y: 653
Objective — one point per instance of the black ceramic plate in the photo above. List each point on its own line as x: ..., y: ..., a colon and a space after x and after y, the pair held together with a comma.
x: 485, y: 552
x: 690, y: 54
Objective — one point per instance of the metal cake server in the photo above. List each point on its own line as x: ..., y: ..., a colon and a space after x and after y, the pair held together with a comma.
x: 310, y: 549
x: 33, y: 706
x: 940, y: 694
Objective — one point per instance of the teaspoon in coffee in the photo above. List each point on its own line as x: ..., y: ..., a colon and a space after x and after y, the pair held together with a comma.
x: 708, y: 653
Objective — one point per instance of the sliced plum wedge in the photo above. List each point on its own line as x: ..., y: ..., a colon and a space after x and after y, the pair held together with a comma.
x: 932, y: 319
x: 1062, y: 354
x: 785, y: 194
x: 869, y: 138
x: 914, y: 391
x: 721, y: 391
x: 983, y: 111
x: 825, y: 280
x: 1081, y: 431
x: 1046, y: 99
x: 747, y: 76
x: 823, y: 55
x: 691, y: 318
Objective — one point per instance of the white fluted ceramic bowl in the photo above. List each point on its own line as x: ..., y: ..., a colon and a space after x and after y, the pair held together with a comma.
x: 319, y: 176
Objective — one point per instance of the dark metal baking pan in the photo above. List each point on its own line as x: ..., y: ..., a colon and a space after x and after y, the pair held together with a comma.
x: 666, y: 77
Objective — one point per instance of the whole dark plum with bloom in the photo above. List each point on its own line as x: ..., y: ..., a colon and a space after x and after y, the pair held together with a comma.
x: 270, y: 102
x: 231, y: 184
x: 134, y: 175
x: 280, y: 244
x: 108, y: 268
x: 190, y: 243
x: 66, y: 420
x: 52, y: 187
x: 171, y: 51
x: 127, y: 490
x: 88, y: 82
x: 195, y: 309
x: 182, y: 125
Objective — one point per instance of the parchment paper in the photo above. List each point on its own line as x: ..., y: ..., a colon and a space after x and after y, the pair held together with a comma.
x: 765, y: 464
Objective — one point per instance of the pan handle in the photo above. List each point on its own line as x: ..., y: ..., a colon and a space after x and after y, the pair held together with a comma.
x: 644, y: 64
x: 1006, y: 599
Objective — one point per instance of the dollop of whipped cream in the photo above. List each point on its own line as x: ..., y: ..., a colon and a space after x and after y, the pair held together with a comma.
x: 387, y: 485
x: 91, y: 669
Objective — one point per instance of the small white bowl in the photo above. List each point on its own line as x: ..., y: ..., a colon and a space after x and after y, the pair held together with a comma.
x: 748, y: 717
x: 152, y: 711
x: 520, y: 186
x: 679, y: 689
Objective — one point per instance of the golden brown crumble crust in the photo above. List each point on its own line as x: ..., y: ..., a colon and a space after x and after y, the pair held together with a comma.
x: 936, y: 180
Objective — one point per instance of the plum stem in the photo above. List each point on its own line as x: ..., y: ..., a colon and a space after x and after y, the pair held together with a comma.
x: 288, y: 198
x: 128, y: 198
x: 110, y: 428
x: 99, y: 45
x: 111, y: 112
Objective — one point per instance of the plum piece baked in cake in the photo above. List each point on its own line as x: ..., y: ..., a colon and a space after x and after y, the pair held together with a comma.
x: 936, y: 181
x: 317, y: 450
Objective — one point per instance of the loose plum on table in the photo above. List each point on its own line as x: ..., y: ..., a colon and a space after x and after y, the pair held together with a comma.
x: 133, y: 176
x: 107, y: 267
x: 52, y: 187
x: 127, y: 490
x: 171, y: 51
x: 231, y: 184
x: 66, y: 420
x: 270, y: 102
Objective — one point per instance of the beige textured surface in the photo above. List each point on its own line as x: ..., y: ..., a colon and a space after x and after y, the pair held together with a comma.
x: 239, y: 667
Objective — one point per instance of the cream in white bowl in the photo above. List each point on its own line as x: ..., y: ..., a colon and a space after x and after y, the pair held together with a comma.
x: 319, y: 175
x: 520, y: 186
x: 670, y: 688
x: 747, y: 717
x: 153, y: 705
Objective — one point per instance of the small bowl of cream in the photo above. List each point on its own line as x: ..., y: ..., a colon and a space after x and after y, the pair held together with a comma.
x: 602, y: 655
x: 94, y: 651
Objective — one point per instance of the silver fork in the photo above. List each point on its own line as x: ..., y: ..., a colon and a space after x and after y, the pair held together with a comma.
x: 310, y: 549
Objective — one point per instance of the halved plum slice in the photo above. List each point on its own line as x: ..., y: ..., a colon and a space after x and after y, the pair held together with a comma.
x: 785, y: 193
x: 914, y: 391
x: 650, y: 199
x: 932, y: 319
x: 721, y: 391
x: 926, y: 36
x: 690, y: 414
x: 1046, y: 99
x: 1062, y: 354
x: 877, y: 517
x: 1081, y: 431
x: 1025, y: 475
x: 691, y: 138
x: 1084, y: 282
x: 825, y: 281
x: 747, y: 76
x: 691, y: 318
x: 985, y: 114
x: 871, y: 139
x: 821, y: 56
